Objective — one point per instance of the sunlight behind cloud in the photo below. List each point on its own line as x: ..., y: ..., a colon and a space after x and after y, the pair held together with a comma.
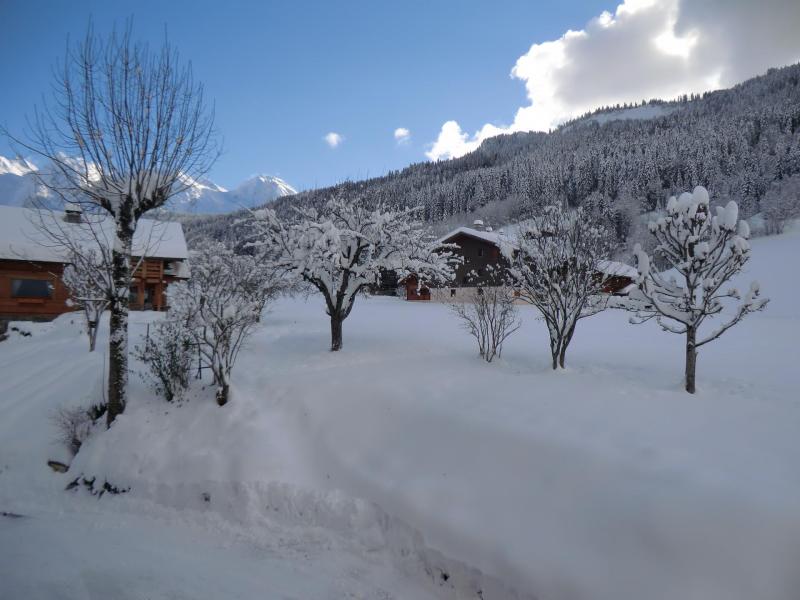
x: 644, y: 49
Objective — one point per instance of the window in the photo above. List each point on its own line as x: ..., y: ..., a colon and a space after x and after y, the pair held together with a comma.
x: 31, y: 288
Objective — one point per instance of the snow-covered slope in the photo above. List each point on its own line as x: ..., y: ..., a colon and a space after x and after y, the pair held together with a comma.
x: 603, y: 482
x: 18, y: 188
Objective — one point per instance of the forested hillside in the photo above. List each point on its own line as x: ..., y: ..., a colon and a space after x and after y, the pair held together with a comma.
x: 742, y: 143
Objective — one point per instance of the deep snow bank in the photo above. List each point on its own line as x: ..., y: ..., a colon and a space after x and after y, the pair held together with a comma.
x: 606, y: 481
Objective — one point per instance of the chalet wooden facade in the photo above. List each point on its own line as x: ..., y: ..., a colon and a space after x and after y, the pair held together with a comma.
x: 31, y: 290
x: 483, y: 264
x: 31, y: 269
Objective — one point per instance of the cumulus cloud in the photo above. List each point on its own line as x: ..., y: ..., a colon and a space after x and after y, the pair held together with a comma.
x: 402, y: 135
x: 644, y: 49
x: 333, y: 139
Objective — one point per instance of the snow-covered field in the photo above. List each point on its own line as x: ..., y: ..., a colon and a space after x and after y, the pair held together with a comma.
x: 405, y: 467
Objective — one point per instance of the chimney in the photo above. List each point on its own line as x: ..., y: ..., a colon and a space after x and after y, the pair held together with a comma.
x: 72, y: 212
x: 477, y: 224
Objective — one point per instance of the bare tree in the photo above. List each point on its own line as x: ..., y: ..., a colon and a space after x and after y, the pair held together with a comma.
x: 128, y: 128
x: 704, y: 253
x: 556, y: 263
x: 489, y: 315
x: 344, y: 247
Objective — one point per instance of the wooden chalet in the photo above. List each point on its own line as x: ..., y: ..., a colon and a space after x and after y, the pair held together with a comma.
x: 31, y: 267
x: 483, y: 264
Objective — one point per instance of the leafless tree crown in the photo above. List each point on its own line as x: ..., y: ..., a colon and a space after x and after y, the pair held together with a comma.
x: 127, y: 127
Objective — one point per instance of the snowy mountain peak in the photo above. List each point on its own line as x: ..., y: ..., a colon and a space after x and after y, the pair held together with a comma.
x: 18, y: 167
x: 266, y: 187
x: 18, y: 187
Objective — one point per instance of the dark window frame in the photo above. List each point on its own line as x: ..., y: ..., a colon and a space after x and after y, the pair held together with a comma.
x: 18, y: 285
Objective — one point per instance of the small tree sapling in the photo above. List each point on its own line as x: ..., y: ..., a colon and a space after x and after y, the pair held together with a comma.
x: 704, y: 253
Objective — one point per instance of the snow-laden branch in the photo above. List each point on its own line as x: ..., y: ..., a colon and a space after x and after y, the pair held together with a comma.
x: 220, y: 306
x: 345, y: 247
x: 556, y: 263
x: 704, y: 253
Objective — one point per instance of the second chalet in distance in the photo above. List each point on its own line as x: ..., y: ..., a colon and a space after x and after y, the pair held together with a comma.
x: 31, y: 266
x: 483, y: 263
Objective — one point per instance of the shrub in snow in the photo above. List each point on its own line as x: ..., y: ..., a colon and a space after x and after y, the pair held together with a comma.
x: 556, y: 266
x: 220, y: 305
x: 167, y: 356
x: 75, y: 424
x: 344, y: 247
x: 704, y: 253
x: 489, y: 315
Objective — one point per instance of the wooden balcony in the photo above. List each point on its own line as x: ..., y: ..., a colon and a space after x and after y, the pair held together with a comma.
x: 149, y: 270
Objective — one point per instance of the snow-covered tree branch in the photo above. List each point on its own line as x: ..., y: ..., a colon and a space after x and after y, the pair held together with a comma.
x: 343, y: 248
x: 221, y: 304
x: 704, y: 253
x: 556, y: 263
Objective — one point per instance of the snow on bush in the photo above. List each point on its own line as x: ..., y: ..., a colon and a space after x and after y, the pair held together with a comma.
x: 220, y: 306
x: 345, y: 247
x: 705, y: 252
x: 556, y: 265
x: 75, y: 424
x: 167, y: 356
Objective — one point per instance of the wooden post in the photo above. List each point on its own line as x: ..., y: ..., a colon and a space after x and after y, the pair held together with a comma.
x: 140, y: 295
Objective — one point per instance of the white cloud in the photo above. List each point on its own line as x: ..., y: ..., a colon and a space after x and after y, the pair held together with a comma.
x: 333, y: 139
x: 402, y: 135
x: 645, y: 49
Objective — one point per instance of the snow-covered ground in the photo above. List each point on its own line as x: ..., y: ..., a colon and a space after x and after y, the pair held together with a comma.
x: 405, y: 467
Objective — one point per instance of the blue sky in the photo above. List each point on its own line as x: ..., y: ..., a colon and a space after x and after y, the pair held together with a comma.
x: 284, y: 74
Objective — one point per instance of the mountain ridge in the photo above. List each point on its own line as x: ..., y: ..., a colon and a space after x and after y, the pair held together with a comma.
x: 19, y: 187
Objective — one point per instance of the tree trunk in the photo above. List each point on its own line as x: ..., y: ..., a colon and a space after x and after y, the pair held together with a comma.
x: 93, y: 326
x: 118, y: 329
x: 691, y: 358
x: 564, y: 343
x: 223, y: 392
x: 336, y: 332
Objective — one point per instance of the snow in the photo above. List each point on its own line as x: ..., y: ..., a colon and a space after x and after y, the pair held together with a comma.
x: 369, y: 471
x: 611, y: 267
x: 648, y: 111
x: 18, y: 187
x: 21, y: 239
x: 208, y: 198
x: 18, y: 167
x: 494, y: 237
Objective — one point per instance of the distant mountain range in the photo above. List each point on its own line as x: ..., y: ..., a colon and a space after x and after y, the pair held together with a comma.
x: 18, y: 187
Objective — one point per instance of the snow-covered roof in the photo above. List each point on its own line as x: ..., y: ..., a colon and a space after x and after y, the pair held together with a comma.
x: 493, y: 237
x: 612, y: 267
x: 22, y: 239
